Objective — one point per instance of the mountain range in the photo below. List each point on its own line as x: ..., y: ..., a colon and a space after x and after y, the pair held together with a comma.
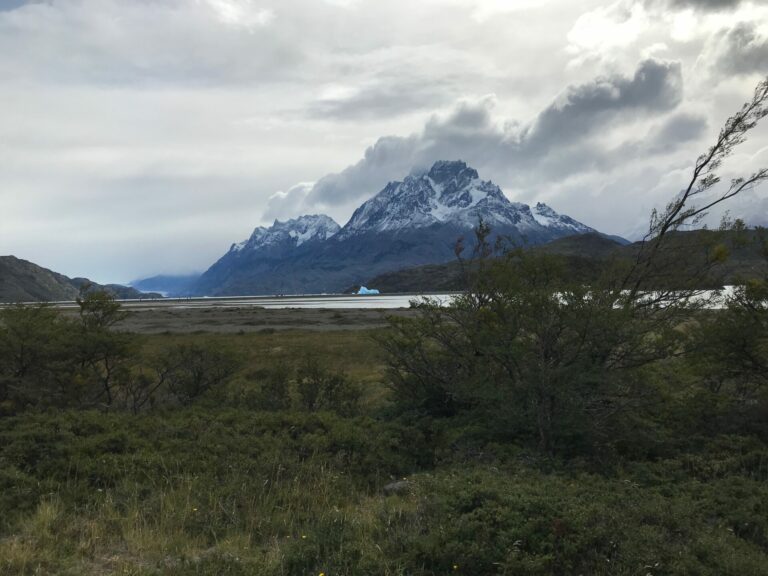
x: 402, y: 239
x: 408, y: 223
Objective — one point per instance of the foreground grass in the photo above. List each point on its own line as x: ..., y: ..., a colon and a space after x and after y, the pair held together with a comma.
x: 224, y: 487
x: 237, y: 492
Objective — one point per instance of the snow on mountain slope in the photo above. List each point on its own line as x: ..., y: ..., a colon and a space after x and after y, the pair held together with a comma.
x: 295, y: 232
x: 548, y: 218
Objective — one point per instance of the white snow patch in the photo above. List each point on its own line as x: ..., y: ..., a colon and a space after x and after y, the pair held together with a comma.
x: 544, y: 220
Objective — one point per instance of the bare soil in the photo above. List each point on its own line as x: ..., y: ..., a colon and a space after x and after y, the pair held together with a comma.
x: 229, y: 320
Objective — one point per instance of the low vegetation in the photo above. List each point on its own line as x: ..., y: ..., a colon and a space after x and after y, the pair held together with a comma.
x: 286, y: 453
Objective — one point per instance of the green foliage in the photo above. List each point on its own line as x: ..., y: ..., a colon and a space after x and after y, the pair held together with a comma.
x: 320, y: 389
x: 191, y: 370
x: 524, y: 522
x: 37, y: 347
x: 730, y: 347
x: 48, y: 360
x: 99, y: 310
x: 196, y: 491
x: 311, y: 386
x: 539, y: 427
x: 219, y: 455
x: 535, y: 353
x: 727, y: 354
x: 274, y: 390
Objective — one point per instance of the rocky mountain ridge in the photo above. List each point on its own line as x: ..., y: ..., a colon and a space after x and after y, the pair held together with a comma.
x: 291, y: 233
x: 452, y: 193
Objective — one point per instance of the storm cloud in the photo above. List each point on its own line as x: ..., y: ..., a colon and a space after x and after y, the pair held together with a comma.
x: 702, y: 5
x: 655, y: 87
x: 471, y: 132
x: 742, y: 50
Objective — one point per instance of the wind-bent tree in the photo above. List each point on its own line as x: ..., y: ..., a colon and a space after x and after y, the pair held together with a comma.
x: 537, y: 353
x: 693, y: 203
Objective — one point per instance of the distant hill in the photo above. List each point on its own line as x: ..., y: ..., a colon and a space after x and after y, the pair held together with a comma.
x: 590, y: 245
x: 587, y: 254
x: 583, y: 252
x: 747, y: 253
x: 23, y: 281
x: 428, y: 278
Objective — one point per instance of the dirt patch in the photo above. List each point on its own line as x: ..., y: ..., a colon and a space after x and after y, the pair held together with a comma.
x: 254, y: 319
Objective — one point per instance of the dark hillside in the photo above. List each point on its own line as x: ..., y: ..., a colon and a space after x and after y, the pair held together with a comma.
x: 739, y: 255
x: 23, y: 281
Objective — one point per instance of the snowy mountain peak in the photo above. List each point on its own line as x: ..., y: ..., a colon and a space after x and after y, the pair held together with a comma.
x: 294, y: 232
x: 451, y: 193
x: 548, y: 218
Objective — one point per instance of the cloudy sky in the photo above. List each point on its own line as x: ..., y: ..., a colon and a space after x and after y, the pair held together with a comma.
x: 145, y: 136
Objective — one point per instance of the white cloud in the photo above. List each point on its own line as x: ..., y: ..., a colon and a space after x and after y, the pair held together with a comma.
x: 289, y: 203
x: 607, y: 28
x: 484, y: 9
x: 654, y: 50
x: 241, y: 13
x: 343, y: 3
x: 685, y: 26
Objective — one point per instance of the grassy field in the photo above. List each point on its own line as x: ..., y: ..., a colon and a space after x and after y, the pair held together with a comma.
x: 226, y: 487
x: 352, y: 352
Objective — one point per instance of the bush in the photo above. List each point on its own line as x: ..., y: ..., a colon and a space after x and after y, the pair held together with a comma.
x: 191, y: 370
x: 318, y: 389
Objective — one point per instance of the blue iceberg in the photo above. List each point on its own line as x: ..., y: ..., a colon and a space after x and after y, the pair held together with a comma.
x: 363, y: 290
